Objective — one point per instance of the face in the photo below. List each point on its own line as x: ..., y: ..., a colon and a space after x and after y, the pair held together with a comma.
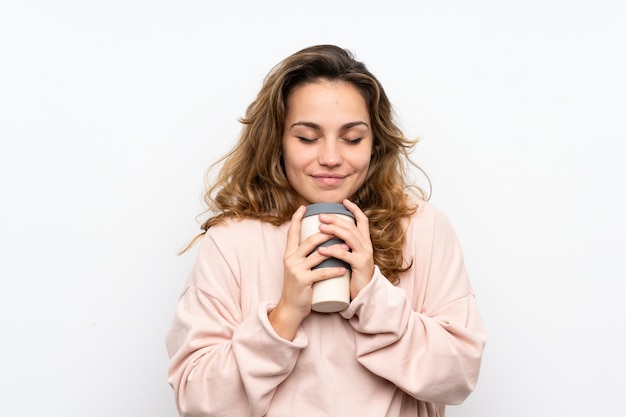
x: 327, y: 142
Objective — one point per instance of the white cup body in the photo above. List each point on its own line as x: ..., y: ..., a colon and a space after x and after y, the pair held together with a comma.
x: 332, y: 294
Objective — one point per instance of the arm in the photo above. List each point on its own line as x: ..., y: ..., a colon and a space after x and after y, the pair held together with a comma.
x: 425, y: 336
x: 224, y: 364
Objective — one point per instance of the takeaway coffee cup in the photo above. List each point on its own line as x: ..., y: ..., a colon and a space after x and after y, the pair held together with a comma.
x: 333, y: 294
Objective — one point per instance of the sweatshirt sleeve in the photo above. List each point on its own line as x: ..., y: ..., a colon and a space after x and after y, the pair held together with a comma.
x: 424, y: 336
x: 221, y: 363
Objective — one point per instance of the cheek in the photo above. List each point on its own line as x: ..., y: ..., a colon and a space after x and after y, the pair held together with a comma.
x: 287, y: 158
x: 364, y: 160
x: 292, y: 166
x: 296, y: 159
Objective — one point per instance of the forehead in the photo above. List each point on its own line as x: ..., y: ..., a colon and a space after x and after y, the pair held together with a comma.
x: 325, y: 99
x: 323, y: 83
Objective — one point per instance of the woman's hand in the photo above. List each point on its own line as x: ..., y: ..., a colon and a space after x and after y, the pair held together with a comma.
x: 294, y: 304
x: 359, y: 252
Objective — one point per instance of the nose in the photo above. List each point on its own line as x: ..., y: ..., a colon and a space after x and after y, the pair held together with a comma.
x: 329, y: 153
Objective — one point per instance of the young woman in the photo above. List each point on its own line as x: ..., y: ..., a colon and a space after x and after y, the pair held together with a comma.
x: 244, y: 340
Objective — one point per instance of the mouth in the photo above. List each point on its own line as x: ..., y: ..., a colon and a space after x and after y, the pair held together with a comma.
x: 329, y: 180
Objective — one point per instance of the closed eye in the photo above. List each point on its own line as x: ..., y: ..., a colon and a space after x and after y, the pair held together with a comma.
x: 353, y: 141
x: 305, y: 140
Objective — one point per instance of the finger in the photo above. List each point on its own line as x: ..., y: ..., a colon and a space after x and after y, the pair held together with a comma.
x: 312, y: 258
x: 340, y: 221
x: 293, y: 234
x: 313, y: 241
x: 362, y: 222
x: 327, y: 273
x: 352, y: 231
x: 309, y: 248
x: 339, y: 251
x: 354, y: 209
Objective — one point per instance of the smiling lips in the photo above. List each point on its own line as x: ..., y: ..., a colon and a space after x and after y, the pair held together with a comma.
x: 329, y: 180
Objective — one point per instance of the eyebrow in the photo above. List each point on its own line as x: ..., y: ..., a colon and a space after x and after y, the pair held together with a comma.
x: 317, y: 127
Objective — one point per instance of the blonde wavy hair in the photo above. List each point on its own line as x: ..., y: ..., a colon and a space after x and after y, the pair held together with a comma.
x: 251, y: 182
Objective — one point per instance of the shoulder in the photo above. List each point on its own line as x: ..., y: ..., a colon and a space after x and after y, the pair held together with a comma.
x: 232, y: 227
x: 429, y: 221
x: 242, y: 233
x: 426, y: 213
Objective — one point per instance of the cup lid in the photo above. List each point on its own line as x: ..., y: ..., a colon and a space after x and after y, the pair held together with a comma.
x: 330, y: 208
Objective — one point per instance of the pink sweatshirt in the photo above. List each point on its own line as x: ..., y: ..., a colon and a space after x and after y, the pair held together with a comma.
x: 404, y: 350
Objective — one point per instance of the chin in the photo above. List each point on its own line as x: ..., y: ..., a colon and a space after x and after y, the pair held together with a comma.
x: 327, y: 199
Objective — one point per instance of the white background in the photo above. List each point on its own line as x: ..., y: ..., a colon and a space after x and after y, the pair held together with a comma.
x: 110, y: 112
